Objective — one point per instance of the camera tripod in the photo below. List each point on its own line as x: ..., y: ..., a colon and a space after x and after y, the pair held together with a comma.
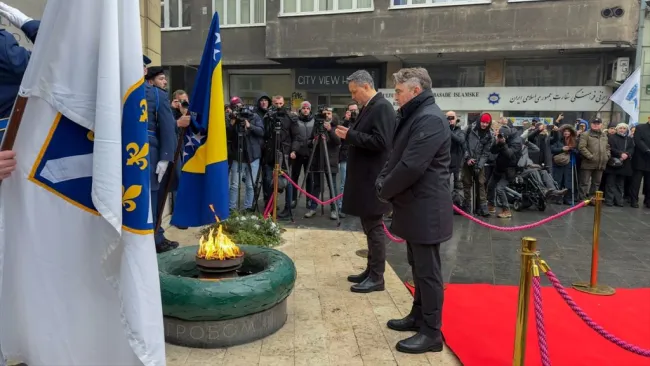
x: 242, y: 139
x: 279, y: 160
x: 320, y: 139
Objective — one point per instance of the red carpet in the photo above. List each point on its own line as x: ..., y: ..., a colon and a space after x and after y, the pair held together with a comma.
x: 479, y: 326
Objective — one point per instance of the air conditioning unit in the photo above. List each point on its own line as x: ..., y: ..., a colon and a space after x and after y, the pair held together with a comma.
x: 617, y: 71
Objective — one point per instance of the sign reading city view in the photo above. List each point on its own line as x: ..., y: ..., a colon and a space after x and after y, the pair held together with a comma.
x: 327, y: 80
x: 560, y: 99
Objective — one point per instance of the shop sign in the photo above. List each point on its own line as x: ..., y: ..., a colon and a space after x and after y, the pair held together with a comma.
x: 327, y: 80
x: 557, y: 99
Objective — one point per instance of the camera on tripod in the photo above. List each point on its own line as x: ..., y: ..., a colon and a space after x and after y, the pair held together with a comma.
x: 319, y: 118
x: 274, y: 114
x: 242, y: 114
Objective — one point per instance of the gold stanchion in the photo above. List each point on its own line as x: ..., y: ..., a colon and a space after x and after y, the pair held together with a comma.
x: 276, y: 173
x: 592, y: 287
x: 528, y: 247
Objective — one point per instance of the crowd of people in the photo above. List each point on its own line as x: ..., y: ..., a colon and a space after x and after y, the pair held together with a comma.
x: 566, y: 161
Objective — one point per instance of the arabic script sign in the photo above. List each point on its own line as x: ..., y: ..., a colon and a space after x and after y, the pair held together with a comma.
x: 556, y: 99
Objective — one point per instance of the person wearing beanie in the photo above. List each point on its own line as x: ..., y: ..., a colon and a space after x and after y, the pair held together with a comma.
x: 595, y: 152
x: 300, y: 153
x: 508, y: 149
x: 478, y: 141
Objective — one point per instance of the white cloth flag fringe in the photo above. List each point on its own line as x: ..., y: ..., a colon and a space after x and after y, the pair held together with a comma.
x: 78, y: 269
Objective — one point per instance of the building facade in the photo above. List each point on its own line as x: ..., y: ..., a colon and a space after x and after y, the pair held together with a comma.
x: 483, y: 55
x: 150, y: 15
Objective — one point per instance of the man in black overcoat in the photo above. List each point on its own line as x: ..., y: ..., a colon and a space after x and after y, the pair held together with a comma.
x: 370, y: 141
x: 415, y: 180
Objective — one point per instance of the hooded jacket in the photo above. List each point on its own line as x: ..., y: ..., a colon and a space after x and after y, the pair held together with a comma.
x: 259, y: 110
x: 509, y: 152
x: 477, y: 147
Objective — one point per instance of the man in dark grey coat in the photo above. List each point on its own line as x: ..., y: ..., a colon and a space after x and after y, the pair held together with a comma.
x: 370, y: 141
x: 416, y: 181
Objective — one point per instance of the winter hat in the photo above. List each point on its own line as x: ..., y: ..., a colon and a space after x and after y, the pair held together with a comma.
x: 305, y: 104
x: 234, y: 101
x: 486, y: 118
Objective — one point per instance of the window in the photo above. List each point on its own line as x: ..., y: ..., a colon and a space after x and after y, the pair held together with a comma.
x: 455, y: 76
x: 557, y: 72
x: 317, y: 7
x: 249, y: 86
x: 175, y: 14
x: 425, y: 3
x: 240, y: 13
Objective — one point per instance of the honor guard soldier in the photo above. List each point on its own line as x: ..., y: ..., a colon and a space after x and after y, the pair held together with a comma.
x: 162, y: 145
x: 13, y: 63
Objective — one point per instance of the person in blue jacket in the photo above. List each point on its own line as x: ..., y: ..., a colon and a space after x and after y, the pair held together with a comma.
x: 162, y: 144
x: 13, y: 62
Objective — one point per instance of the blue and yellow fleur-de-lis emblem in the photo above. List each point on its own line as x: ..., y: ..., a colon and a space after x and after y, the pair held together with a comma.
x: 138, y: 156
x: 129, y: 197
x: 65, y: 163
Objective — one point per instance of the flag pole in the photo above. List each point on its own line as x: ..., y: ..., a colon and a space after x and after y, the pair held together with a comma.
x: 14, y: 123
x: 168, y: 185
x: 15, y: 119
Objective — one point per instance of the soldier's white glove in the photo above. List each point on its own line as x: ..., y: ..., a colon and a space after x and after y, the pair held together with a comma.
x: 161, y: 168
x: 13, y: 15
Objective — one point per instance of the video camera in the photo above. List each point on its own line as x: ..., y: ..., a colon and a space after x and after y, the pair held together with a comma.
x: 319, y: 118
x: 242, y: 114
x: 274, y: 114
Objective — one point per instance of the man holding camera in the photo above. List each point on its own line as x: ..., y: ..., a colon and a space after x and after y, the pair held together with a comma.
x: 370, y: 141
x: 324, y: 129
x: 281, y: 124
x: 508, y: 149
x: 245, y: 122
x: 351, y: 114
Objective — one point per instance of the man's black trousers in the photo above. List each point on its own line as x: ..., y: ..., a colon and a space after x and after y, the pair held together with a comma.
x: 377, y: 240
x: 429, y: 291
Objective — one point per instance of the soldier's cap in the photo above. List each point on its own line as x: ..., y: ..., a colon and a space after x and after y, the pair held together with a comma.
x: 146, y: 60
x: 154, y: 71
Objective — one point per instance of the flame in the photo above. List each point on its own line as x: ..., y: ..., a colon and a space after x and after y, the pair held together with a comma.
x: 217, y: 246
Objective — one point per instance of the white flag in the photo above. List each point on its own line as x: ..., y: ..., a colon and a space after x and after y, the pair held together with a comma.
x: 627, y: 95
x: 78, y: 269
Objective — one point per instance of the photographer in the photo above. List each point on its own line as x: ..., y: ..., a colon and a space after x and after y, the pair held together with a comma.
x: 478, y: 142
x: 507, y: 147
x: 324, y: 126
x: 350, y: 119
x: 299, y: 150
x: 244, y: 120
x: 180, y: 108
x: 279, y: 116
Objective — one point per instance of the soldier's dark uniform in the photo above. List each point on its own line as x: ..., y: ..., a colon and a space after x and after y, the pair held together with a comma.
x: 13, y: 63
x: 162, y: 146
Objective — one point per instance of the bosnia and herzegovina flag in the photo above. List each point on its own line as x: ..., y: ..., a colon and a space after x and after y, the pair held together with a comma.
x: 78, y: 205
x: 204, y: 177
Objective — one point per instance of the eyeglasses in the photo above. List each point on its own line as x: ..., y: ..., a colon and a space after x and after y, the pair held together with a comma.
x: 451, y: 118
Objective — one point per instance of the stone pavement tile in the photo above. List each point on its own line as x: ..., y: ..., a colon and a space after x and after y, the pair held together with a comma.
x: 342, y: 345
x: 310, y: 337
x: 176, y: 355
x: 307, y: 305
x: 372, y: 343
x: 206, y: 356
x: 244, y: 355
x: 277, y: 361
x: 281, y: 343
x: 312, y: 359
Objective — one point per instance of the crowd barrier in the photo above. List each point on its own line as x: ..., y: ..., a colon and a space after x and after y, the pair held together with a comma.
x: 591, y: 287
x: 531, y: 266
x: 530, y: 276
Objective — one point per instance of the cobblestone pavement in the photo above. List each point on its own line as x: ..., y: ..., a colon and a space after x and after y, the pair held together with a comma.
x: 327, y: 324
